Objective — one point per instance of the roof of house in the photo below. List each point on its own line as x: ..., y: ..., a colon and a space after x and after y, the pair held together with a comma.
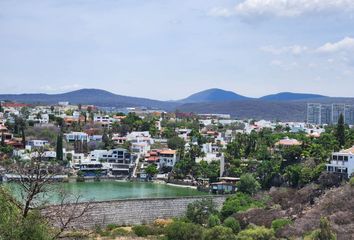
x: 168, y: 151
x: 288, y: 142
x: 349, y: 150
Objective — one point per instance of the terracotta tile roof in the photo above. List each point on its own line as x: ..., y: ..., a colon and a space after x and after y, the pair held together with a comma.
x: 168, y: 151
x: 288, y: 142
x: 349, y: 150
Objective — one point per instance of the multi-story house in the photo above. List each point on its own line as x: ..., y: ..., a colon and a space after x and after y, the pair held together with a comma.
x: 119, y: 161
x: 162, y: 157
x: 342, y: 162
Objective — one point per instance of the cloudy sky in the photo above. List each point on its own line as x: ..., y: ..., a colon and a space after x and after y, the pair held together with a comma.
x: 167, y: 49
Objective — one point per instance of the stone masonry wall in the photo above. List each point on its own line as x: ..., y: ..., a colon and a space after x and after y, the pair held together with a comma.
x: 137, y: 211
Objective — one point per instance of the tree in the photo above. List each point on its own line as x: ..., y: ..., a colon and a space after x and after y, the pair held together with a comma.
x: 151, y: 170
x: 20, y: 126
x: 268, y: 172
x: 199, y: 211
x: 293, y: 174
x: 248, y: 184
x: 59, y: 147
x: 35, y: 177
x: 232, y: 223
x: 238, y: 202
x: 213, y: 221
x: 340, y: 131
x: 2, y: 139
x: 105, y: 139
x: 175, y: 143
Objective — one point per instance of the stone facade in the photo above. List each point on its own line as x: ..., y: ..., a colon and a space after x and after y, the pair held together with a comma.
x: 137, y: 211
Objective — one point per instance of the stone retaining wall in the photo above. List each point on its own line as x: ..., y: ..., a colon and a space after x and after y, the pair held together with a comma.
x: 137, y: 211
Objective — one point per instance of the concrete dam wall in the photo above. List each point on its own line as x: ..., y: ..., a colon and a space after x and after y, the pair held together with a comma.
x: 136, y: 211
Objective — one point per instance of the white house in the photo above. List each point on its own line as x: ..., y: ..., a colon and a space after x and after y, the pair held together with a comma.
x: 79, y: 136
x: 342, y: 162
x: 118, y: 161
x: 37, y: 143
x: 168, y: 158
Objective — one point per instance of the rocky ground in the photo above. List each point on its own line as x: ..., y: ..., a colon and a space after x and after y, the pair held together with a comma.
x: 305, y: 207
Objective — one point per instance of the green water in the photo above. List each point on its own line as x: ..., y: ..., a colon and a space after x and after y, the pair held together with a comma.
x: 104, y: 191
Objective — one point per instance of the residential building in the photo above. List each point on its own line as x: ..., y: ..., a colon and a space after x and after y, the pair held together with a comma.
x: 162, y: 157
x: 37, y: 143
x: 342, y: 162
x: 77, y: 136
x: 119, y: 161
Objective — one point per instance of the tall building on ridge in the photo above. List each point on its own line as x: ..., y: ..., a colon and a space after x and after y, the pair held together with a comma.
x: 349, y: 114
x: 337, y: 110
x: 326, y: 114
x: 314, y: 113
x: 329, y: 113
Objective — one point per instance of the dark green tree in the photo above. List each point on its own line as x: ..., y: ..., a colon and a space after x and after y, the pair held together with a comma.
x: 59, y: 147
x: 340, y: 131
x: 175, y: 143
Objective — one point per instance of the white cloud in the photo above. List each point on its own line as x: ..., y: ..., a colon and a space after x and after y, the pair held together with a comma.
x: 220, y: 12
x: 346, y: 44
x: 295, y: 49
x: 291, y: 8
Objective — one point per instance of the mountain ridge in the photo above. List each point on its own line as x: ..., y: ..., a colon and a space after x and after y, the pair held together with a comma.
x: 282, y: 106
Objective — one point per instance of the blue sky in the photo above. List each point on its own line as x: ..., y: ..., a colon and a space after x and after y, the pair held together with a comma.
x: 169, y: 49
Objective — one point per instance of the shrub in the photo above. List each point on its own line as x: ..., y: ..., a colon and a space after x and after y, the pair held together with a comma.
x: 142, y: 230
x: 162, y: 222
x: 184, y: 231
x: 325, y: 230
x: 351, y: 182
x: 213, y: 221
x: 232, y: 223
x: 280, y: 223
x: 110, y: 227
x: 219, y: 233
x: 199, y: 211
x: 120, y: 232
x: 256, y: 233
x: 238, y: 202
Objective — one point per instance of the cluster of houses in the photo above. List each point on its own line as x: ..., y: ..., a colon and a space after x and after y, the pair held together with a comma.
x: 144, y: 149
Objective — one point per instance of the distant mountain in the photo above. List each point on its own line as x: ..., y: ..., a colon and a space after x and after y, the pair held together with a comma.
x: 256, y: 109
x: 283, y: 106
x: 213, y: 95
x: 289, y: 96
x: 90, y: 96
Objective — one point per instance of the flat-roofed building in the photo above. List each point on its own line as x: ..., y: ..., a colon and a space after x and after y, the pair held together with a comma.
x: 342, y: 162
x: 314, y: 113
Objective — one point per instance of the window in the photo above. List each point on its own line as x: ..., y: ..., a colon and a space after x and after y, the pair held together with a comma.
x: 335, y: 157
x: 346, y: 158
x: 340, y: 158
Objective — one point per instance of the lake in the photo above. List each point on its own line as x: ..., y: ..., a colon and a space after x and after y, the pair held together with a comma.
x: 114, y: 190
